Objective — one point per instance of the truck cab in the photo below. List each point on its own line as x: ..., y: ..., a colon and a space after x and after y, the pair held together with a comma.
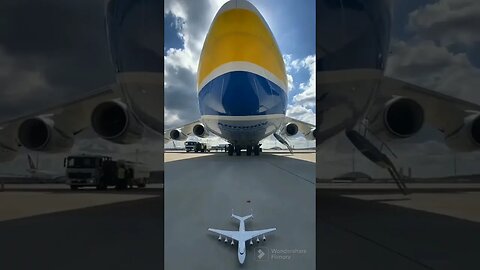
x: 85, y: 170
x: 192, y: 146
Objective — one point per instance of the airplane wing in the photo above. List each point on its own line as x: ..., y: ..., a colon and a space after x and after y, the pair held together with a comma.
x: 78, y: 109
x: 230, y: 234
x: 252, y: 234
x: 242, y: 236
x: 72, y: 116
x: 180, y: 132
x: 305, y: 128
x: 445, y: 113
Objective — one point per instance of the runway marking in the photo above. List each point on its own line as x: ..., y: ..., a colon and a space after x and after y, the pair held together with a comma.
x: 292, y: 173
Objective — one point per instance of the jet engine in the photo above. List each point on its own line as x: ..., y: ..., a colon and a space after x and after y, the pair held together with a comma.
x: 113, y: 121
x: 177, y: 135
x: 291, y: 129
x: 468, y: 137
x: 199, y: 130
x: 401, y: 118
x: 41, y: 134
x: 312, y: 135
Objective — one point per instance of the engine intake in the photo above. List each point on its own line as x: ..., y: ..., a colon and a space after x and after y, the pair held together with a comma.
x: 113, y: 121
x: 199, y: 130
x: 403, y: 117
x: 291, y: 129
x: 177, y: 135
x: 38, y: 134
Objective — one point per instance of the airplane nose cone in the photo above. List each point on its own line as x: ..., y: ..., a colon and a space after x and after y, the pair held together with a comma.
x: 241, y: 258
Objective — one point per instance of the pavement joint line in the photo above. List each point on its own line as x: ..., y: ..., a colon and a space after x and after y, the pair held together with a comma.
x: 385, y: 247
x: 292, y: 173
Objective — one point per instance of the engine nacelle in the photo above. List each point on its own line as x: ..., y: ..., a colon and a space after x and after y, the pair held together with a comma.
x: 401, y: 118
x: 41, y: 134
x: 468, y: 137
x: 113, y: 121
x: 312, y: 135
x: 177, y: 135
x: 291, y: 129
x: 199, y: 130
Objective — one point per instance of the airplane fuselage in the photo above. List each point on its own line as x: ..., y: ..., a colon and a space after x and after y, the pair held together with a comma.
x: 242, y: 82
x: 242, y: 249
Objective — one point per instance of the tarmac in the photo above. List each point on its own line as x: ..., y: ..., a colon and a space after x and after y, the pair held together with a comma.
x: 201, y: 193
x: 437, y: 226
x: 358, y: 226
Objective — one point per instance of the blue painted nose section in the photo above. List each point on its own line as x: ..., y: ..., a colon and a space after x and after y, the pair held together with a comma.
x: 242, y: 93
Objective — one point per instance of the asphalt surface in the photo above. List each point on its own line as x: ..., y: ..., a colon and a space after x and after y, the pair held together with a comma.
x: 374, y: 227
x: 51, y: 227
x: 201, y: 192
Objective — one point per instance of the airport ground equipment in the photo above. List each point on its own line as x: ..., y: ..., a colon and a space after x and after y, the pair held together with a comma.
x: 191, y: 146
x: 102, y: 171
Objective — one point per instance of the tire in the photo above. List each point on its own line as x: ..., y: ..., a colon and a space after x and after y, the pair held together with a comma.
x: 230, y: 150
x: 249, y: 150
x: 238, y: 151
x: 256, y: 150
x: 72, y: 187
x: 142, y: 185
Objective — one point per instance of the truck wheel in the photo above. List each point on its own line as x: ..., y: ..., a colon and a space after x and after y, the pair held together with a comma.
x: 72, y: 187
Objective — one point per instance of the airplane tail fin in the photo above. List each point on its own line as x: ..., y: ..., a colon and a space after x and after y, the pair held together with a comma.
x: 31, y: 164
x: 239, y: 218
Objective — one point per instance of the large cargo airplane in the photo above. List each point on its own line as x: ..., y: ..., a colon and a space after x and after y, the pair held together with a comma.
x: 242, y: 84
x: 242, y: 236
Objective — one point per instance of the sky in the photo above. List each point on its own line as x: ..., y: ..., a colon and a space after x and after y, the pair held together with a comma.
x: 52, y: 50
x: 186, y: 26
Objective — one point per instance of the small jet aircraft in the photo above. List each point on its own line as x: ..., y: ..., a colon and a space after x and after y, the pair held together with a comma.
x: 242, y: 236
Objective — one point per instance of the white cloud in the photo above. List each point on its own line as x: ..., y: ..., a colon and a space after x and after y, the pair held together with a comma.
x: 435, y: 67
x: 448, y: 21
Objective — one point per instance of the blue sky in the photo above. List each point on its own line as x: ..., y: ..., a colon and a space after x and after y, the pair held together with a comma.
x: 186, y: 24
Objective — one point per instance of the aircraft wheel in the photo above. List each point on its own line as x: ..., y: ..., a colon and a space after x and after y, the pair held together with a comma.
x: 72, y: 187
x: 230, y: 150
x: 238, y: 151
x: 249, y: 150
x: 256, y: 150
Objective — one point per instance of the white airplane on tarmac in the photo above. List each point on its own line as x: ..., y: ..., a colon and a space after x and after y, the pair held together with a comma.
x: 242, y: 236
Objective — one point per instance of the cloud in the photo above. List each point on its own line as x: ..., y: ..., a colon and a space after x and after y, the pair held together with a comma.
x: 194, y: 19
x: 435, y: 67
x: 448, y: 21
